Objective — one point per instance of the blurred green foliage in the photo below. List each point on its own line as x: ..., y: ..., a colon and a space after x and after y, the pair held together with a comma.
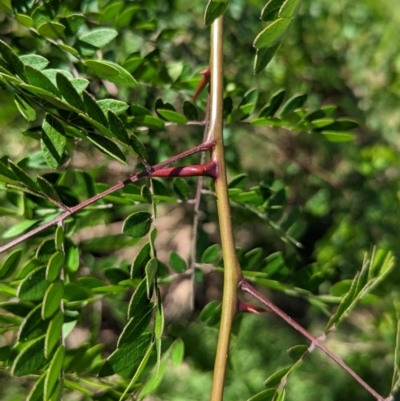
x: 336, y: 199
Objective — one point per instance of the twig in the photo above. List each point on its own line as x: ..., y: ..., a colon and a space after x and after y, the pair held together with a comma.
x: 133, y: 178
x: 315, y: 342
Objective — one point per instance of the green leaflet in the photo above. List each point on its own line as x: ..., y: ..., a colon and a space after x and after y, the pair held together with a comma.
x: 34, y: 285
x: 53, y: 141
x: 30, y: 359
x: 176, y: 262
x: 99, y: 37
x: 137, y: 224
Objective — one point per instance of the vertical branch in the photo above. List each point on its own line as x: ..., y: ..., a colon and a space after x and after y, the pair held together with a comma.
x: 231, y: 267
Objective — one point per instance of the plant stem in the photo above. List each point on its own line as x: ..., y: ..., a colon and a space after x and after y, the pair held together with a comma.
x: 207, y: 145
x: 315, y: 342
x: 231, y: 266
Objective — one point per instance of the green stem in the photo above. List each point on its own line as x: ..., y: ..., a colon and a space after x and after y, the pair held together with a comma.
x: 231, y: 266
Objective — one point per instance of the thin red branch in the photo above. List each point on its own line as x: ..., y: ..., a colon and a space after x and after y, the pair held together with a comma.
x: 207, y: 145
x: 315, y: 342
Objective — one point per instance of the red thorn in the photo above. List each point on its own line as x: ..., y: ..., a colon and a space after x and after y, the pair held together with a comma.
x: 196, y: 170
x: 203, y: 83
x: 244, y: 307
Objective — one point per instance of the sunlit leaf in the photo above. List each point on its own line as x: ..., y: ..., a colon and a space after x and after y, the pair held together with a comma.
x: 272, y: 34
x: 99, y: 37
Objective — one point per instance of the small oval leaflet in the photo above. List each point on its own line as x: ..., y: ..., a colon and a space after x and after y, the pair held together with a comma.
x: 138, y: 224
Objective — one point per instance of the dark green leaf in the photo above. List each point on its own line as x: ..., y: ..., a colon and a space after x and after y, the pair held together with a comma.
x: 53, y: 372
x: 271, y: 10
x: 127, y: 356
x: 53, y: 141
x: 176, y: 262
x: 53, y: 334
x: 107, y: 146
x: 30, y: 359
x: 22, y: 176
x: 13, y: 61
x: 25, y: 108
x: 276, y: 378
x: 345, y: 304
x: 72, y: 23
x: 75, y: 292
x: 139, y: 300
x: 17, y: 308
x: 28, y: 267
x: 214, y: 10
x: 10, y: 264
x: 34, y: 285
x: 151, y: 270
x: 190, y: 111
x: 238, y: 182
x: 59, y: 239
x: 117, y: 127
x: 135, y: 327
x: 159, y: 321
x: 99, y: 37
x: 52, y: 299
x: 263, y: 57
x: 38, y: 79
x: 111, y: 10
x: 271, y: 108
x: 138, y: 110
x: 6, y: 174
x: 182, y: 188
x: 94, y: 110
x: 264, y: 395
x: 46, y: 12
x: 341, y: 124
x: 68, y: 91
x: 297, y: 351
x: 172, y: 116
x: 45, y: 250
x: 37, y: 391
x: 32, y: 326
x: 272, y: 34
x: 115, y: 275
x: 211, y: 254
x: 138, y: 224
x: 292, y: 104
x: 146, y: 193
x: 137, y: 146
x: 47, y: 188
x: 139, y: 264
